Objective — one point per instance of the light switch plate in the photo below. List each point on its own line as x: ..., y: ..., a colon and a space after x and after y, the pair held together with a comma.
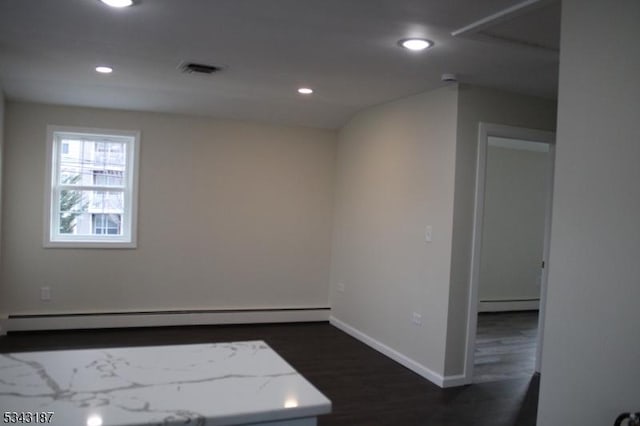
x: 428, y: 233
x: 45, y: 293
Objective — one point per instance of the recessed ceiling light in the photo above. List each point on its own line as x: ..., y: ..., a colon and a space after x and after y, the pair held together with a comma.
x: 415, y: 44
x: 104, y: 70
x: 305, y: 91
x: 118, y: 3
x: 94, y: 421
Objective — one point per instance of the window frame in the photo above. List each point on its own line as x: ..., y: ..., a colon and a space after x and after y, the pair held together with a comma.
x: 52, y: 236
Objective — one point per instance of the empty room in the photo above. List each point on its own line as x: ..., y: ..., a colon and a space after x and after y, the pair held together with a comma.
x: 301, y: 212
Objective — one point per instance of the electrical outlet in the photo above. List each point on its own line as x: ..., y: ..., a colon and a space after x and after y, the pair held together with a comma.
x: 416, y: 318
x: 340, y: 287
x: 45, y: 293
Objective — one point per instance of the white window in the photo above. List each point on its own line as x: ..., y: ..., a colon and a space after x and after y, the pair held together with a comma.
x: 91, y: 187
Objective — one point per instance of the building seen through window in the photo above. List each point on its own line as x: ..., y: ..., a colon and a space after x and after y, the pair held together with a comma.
x: 88, y: 163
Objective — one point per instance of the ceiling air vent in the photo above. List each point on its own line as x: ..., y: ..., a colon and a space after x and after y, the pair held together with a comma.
x: 192, y: 67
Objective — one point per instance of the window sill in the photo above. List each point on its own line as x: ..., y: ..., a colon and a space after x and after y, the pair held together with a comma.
x: 90, y: 244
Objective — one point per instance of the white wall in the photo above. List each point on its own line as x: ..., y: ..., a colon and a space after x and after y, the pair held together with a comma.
x: 591, y: 353
x: 515, y: 202
x: 3, y: 306
x: 478, y: 104
x: 395, y: 175
x: 231, y: 215
x: 401, y: 166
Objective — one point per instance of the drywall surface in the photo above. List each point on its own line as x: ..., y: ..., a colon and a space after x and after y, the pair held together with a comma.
x: 591, y: 353
x: 475, y: 105
x: 231, y: 215
x: 515, y: 202
x: 395, y: 176
x: 3, y: 306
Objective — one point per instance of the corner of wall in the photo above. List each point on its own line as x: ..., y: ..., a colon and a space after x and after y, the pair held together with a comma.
x: 395, y: 176
x: 460, y: 248
x: 2, y: 298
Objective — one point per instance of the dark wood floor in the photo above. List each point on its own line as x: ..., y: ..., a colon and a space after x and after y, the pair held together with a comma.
x: 506, y: 345
x: 366, y: 388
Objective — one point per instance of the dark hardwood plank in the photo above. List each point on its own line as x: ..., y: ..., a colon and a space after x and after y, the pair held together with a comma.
x: 367, y: 388
x: 505, y: 346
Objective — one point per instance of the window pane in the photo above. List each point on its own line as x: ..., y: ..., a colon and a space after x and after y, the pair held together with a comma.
x: 71, y: 157
x: 107, y: 224
x: 69, y: 223
x: 108, y: 177
x: 106, y: 201
x: 108, y: 153
x: 85, y: 212
x: 83, y: 158
x: 73, y: 201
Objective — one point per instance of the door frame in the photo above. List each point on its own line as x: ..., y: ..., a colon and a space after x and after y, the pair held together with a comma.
x: 485, y: 130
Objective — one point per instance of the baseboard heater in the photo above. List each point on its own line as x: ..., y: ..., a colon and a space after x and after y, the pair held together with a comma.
x: 164, y: 318
x: 509, y: 305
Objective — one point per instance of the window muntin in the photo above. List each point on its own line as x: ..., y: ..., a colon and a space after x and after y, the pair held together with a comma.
x: 92, y: 195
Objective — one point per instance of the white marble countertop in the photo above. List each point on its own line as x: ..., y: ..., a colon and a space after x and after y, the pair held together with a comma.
x: 208, y: 384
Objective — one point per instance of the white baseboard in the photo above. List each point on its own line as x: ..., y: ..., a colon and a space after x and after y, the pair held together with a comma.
x: 455, y: 380
x: 402, y: 359
x: 160, y: 319
x: 508, y: 305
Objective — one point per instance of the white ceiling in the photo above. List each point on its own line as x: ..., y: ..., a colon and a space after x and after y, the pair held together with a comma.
x: 345, y: 49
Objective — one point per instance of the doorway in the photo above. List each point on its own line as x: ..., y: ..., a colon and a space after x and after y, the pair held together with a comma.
x: 510, y: 249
